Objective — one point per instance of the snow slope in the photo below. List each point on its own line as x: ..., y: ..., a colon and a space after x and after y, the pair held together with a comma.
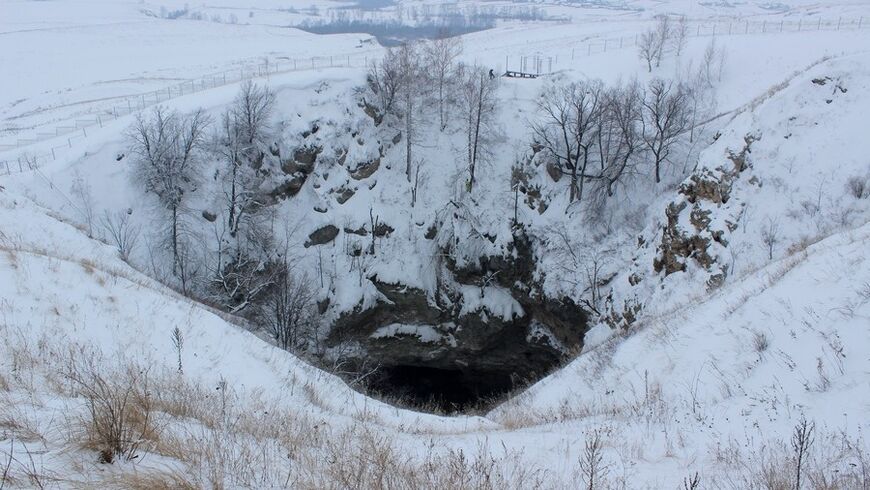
x: 710, y: 385
x: 703, y: 381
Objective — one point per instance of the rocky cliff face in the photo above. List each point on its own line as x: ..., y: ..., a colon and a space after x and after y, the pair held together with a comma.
x: 488, y: 323
x: 695, y: 234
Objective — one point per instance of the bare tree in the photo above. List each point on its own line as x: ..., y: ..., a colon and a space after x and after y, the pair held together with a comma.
x: 665, y: 119
x: 692, y: 482
x: 384, y: 80
x: 251, y: 111
x: 663, y: 33
x: 712, y: 65
x: 592, y: 461
x: 287, y: 309
x: 178, y: 343
x: 567, y: 131
x: 188, y: 259
x: 166, y: 145
x: 243, y: 267
x: 410, y: 91
x: 770, y: 236
x: 479, y: 104
x: 801, y: 440
x: 236, y: 141
x: 81, y: 190
x: 680, y: 35
x: 123, y: 234
x: 648, y: 48
x: 241, y: 271
x: 441, y: 59
x: 619, y: 134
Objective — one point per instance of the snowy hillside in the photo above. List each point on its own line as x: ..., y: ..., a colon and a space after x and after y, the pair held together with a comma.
x: 349, y: 280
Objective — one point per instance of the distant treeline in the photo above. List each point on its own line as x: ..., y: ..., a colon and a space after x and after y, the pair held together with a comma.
x: 393, y: 32
x: 419, y: 22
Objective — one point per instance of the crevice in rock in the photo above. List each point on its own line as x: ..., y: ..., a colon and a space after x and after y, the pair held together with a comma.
x: 445, y: 390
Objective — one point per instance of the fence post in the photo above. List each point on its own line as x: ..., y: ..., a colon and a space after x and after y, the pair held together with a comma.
x: 620, y: 43
x: 800, y: 24
x: 589, y: 49
x: 53, y: 156
x: 84, y: 132
x: 605, y: 45
x: 747, y: 27
x: 729, y: 28
x: 699, y: 30
x: 860, y: 21
x: 780, y: 25
x: 839, y: 21
x: 764, y: 27
x: 820, y: 24
x: 100, y: 120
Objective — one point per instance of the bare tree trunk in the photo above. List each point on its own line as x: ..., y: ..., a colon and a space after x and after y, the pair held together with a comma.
x: 409, y: 126
x: 175, y: 262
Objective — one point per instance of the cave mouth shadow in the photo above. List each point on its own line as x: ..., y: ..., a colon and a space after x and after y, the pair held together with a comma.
x: 450, y: 391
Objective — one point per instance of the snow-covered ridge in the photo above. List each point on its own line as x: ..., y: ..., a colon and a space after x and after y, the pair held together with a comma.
x: 778, y: 177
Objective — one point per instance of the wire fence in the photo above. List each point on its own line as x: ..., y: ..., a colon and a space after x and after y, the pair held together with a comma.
x: 540, y: 63
x: 724, y: 28
x: 63, y: 136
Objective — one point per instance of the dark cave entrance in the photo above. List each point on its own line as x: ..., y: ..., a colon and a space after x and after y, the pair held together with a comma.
x: 447, y: 390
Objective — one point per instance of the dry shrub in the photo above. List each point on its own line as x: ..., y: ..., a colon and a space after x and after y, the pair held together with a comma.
x: 88, y: 265
x: 804, y: 242
x: 120, y: 413
x: 361, y: 457
x: 760, y: 342
x: 19, y: 424
x: 858, y: 187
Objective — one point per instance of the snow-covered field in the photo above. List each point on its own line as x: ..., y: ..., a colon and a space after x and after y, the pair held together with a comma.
x: 707, y: 382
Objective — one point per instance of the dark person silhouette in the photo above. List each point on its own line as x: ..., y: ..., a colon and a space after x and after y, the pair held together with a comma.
x: 491, y: 74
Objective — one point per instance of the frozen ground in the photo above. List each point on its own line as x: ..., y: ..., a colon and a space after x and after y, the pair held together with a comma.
x: 708, y: 383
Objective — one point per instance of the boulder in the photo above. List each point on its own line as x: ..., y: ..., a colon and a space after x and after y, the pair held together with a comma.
x: 383, y: 229
x: 366, y: 169
x: 344, y: 194
x: 322, y: 236
x: 307, y: 155
x: 290, y: 187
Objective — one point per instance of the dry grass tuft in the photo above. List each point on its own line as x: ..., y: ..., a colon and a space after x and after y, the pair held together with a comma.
x: 153, y: 481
